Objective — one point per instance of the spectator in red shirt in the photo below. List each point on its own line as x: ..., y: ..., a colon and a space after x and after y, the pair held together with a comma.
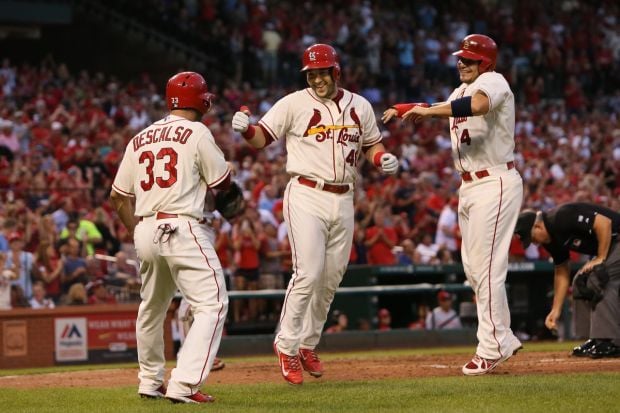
x: 246, y: 244
x: 99, y: 294
x: 48, y: 268
x: 380, y: 239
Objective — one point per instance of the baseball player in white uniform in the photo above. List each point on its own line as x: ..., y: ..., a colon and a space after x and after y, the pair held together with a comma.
x: 327, y: 130
x: 168, y: 168
x: 482, y: 119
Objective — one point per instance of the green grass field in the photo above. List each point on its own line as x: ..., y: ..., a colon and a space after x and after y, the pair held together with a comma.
x: 591, y: 392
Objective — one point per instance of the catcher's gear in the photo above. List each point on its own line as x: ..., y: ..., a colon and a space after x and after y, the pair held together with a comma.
x: 591, y: 285
x: 229, y: 202
x: 188, y: 90
x: 389, y: 163
x: 479, y: 47
x: 321, y: 56
x: 240, y: 122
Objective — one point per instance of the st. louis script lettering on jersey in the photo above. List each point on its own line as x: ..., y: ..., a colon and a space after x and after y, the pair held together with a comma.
x: 456, y: 120
x: 345, y: 133
x: 178, y: 134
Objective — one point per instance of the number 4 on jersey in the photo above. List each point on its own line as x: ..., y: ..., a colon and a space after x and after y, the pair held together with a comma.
x: 351, y: 158
x: 465, y: 137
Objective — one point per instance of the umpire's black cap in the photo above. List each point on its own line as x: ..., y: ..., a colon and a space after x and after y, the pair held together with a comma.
x: 523, y: 229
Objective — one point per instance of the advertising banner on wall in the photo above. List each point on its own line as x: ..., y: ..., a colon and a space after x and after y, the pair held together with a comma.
x: 71, y: 338
x: 98, y: 338
x: 112, y: 337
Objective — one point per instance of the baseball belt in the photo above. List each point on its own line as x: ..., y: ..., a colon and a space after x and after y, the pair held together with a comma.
x: 333, y: 188
x: 483, y: 173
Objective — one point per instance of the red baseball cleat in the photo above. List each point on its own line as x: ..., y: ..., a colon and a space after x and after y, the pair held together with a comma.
x: 290, y: 366
x: 310, y: 362
x: 479, y: 365
x: 196, y: 398
x: 153, y: 394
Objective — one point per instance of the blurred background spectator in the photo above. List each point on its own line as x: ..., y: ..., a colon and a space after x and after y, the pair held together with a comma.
x: 98, y: 293
x: 39, y: 297
x: 20, y: 262
x: 420, y: 322
x: 384, y: 319
x: 443, y: 317
x: 6, y: 276
x: 337, y: 323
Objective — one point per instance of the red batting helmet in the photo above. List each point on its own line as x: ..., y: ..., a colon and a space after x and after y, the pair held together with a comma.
x: 321, y: 56
x: 479, y: 47
x: 188, y: 90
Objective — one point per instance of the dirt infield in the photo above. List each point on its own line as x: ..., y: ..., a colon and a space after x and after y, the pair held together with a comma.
x: 240, y: 372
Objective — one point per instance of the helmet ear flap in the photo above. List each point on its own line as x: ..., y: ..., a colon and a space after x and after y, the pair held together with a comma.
x: 484, y: 66
x: 336, y: 71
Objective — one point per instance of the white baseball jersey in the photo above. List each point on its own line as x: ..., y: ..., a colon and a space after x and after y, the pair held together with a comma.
x: 471, y: 148
x: 153, y: 171
x: 168, y: 167
x: 488, y: 208
x: 324, y: 137
x: 324, y: 140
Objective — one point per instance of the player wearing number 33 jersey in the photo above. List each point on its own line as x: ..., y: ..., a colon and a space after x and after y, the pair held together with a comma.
x: 169, y: 167
x: 327, y: 130
x: 481, y: 112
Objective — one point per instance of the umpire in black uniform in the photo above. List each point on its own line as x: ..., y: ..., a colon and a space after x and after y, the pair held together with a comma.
x: 588, y: 229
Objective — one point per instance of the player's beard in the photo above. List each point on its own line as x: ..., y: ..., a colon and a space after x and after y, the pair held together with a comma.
x: 326, y: 91
x: 468, y: 75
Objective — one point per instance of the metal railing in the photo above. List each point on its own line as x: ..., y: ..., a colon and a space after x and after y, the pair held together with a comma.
x: 368, y: 290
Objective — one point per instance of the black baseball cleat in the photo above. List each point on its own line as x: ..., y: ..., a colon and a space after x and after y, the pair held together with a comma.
x: 603, y: 349
x: 584, y: 349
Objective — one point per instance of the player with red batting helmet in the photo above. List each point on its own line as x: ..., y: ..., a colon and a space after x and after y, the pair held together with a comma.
x: 481, y: 112
x: 327, y: 130
x: 168, y: 168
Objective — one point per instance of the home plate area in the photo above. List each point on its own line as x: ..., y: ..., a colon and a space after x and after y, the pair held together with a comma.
x: 382, y: 367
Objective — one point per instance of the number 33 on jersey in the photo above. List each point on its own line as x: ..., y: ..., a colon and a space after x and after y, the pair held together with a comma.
x: 154, y: 161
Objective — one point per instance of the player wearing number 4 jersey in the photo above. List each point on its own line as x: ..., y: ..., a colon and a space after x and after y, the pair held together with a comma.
x: 168, y: 168
x: 327, y: 130
x: 482, y: 118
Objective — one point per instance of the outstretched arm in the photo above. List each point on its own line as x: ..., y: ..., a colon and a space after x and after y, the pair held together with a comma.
x: 560, y: 287
x: 463, y: 107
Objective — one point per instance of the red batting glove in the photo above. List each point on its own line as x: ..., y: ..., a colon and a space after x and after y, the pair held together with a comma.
x: 403, y: 108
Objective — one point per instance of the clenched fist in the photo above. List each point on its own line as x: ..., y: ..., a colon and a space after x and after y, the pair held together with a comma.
x: 240, y: 122
x: 389, y: 164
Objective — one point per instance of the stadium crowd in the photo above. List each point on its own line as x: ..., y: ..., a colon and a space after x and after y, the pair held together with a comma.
x: 63, y: 132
